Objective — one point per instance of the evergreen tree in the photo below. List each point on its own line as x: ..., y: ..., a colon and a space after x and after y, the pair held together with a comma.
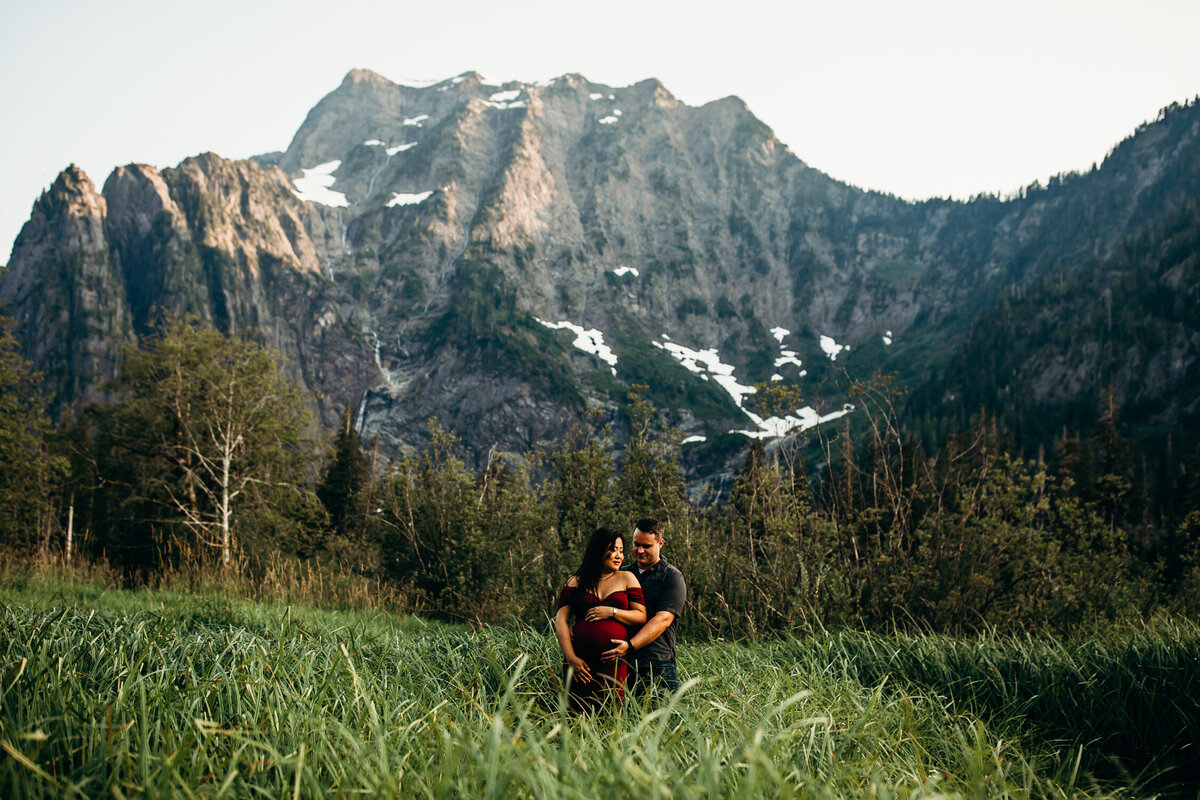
x: 1075, y: 465
x: 1113, y: 454
x: 748, y: 484
x: 581, y: 493
x: 344, y: 485
x: 650, y: 482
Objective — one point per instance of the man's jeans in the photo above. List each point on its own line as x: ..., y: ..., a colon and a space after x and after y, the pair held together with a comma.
x: 649, y: 675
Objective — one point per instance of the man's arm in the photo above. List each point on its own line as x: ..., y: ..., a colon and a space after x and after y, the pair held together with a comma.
x: 653, y: 628
x: 672, y: 598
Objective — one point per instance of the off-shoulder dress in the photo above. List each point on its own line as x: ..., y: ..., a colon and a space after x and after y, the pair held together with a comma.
x: 590, y: 639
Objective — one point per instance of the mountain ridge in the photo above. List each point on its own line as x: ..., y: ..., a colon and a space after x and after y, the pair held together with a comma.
x: 466, y: 215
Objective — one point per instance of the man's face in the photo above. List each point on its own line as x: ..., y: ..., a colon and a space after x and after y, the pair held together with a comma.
x: 645, y: 548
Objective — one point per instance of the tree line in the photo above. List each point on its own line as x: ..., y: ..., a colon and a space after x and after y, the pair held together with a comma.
x: 207, y: 453
x: 1060, y: 360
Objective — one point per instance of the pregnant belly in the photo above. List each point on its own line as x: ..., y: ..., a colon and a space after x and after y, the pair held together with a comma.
x: 593, y: 638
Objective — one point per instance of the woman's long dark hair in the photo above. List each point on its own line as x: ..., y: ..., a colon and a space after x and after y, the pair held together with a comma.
x: 592, y: 566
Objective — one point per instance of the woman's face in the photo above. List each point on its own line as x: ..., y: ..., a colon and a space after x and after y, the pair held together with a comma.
x: 614, y: 556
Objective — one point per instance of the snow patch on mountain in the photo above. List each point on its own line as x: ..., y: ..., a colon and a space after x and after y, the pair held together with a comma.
x: 419, y: 83
x: 708, y: 365
x: 589, y: 341
x: 400, y: 148
x: 788, y: 357
x: 313, y: 185
x: 415, y: 121
x: 623, y: 270
x: 804, y: 418
x: 403, y: 199
x: 785, y: 356
x: 832, y: 348
x: 507, y: 99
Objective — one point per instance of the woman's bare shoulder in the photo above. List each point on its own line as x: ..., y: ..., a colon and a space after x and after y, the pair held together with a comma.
x: 573, y: 581
x: 631, y: 581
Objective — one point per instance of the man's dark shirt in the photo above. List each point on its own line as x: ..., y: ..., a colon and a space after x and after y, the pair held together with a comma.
x: 665, y: 590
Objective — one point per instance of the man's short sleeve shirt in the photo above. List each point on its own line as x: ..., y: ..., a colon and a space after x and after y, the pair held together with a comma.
x: 665, y: 590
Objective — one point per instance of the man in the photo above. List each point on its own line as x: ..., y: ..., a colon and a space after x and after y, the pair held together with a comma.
x: 651, y: 651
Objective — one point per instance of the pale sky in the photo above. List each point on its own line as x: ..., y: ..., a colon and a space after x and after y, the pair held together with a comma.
x: 920, y: 99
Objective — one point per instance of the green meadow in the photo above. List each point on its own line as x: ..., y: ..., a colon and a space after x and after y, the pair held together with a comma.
x: 114, y: 693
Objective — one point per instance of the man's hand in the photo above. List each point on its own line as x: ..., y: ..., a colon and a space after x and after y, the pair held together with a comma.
x: 622, y: 648
x: 582, y: 673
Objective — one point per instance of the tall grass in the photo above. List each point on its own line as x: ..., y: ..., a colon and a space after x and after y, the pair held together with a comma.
x: 1132, y: 694
x: 270, y: 577
x: 106, y: 692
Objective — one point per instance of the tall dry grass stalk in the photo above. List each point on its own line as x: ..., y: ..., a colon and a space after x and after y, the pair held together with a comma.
x: 188, y: 569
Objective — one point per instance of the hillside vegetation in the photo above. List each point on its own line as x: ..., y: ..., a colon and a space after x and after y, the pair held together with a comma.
x: 205, y: 465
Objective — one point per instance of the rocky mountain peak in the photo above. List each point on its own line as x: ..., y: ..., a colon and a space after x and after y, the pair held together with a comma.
x: 364, y: 76
x: 137, y: 195
x: 73, y: 192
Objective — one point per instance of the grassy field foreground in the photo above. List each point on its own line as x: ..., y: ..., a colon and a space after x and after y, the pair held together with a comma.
x: 112, y: 693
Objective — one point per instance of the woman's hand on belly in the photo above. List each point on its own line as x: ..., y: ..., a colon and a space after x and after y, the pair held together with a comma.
x: 600, y: 613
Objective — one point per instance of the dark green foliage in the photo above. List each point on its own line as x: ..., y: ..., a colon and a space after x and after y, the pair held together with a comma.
x: 475, y: 546
x: 29, y: 475
x: 1113, y: 333
x: 343, y: 489
x: 483, y: 321
x: 650, y: 483
x: 725, y: 308
x: 763, y: 562
x: 207, y: 447
x: 582, y: 497
x: 690, y: 306
x: 668, y: 383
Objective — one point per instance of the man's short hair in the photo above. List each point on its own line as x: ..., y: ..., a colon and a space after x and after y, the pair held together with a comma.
x: 650, y: 525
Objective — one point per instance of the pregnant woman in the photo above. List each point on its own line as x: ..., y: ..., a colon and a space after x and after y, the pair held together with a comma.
x: 603, y: 601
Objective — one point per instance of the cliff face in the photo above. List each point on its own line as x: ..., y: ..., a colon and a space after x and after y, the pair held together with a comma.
x: 64, y: 289
x: 501, y: 256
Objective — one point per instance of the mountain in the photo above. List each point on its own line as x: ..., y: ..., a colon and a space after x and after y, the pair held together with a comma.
x: 1116, y: 335
x: 505, y: 256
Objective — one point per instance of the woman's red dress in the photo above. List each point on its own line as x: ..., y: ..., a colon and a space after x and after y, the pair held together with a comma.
x: 590, y: 639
